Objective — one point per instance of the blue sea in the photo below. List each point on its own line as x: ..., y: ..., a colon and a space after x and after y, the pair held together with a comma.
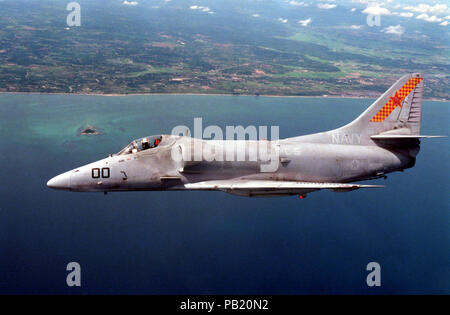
x: 211, y: 242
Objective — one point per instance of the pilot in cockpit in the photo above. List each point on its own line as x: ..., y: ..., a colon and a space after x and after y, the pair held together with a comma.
x: 145, y: 144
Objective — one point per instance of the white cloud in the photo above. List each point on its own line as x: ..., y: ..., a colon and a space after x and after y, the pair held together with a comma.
x: 376, y: 10
x: 255, y: 15
x: 297, y: 3
x: 283, y: 20
x: 426, y: 8
x: 305, y: 22
x: 395, y: 30
x: 447, y: 17
x: 201, y: 8
x: 326, y: 6
x: 356, y: 27
x: 445, y: 23
x: 428, y: 18
x: 353, y: 9
x: 377, y: 2
x: 407, y: 14
x: 130, y: 2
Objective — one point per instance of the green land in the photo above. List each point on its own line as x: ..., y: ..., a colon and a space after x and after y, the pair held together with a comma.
x: 169, y: 48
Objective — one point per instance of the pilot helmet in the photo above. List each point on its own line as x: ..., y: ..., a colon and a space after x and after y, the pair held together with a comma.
x: 145, y: 140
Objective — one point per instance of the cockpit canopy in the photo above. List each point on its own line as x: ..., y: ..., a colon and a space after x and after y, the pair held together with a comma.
x: 141, y: 144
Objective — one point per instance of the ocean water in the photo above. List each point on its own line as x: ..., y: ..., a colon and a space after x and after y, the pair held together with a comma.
x: 210, y: 242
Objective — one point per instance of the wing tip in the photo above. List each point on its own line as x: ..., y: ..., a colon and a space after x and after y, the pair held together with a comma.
x: 371, y: 186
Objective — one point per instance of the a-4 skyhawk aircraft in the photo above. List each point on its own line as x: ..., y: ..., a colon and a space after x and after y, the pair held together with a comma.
x: 383, y: 139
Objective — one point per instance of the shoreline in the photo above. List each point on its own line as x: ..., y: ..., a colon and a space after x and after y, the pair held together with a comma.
x: 210, y: 94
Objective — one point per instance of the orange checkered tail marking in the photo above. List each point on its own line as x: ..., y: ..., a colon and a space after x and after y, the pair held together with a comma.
x: 396, y: 100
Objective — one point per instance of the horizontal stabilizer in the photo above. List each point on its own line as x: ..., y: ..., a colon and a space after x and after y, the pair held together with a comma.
x: 394, y: 136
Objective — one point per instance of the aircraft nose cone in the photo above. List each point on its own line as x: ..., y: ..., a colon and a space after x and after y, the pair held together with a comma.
x: 60, y: 182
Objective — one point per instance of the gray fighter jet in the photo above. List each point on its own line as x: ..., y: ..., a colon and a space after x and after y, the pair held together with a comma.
x: 383, y: 139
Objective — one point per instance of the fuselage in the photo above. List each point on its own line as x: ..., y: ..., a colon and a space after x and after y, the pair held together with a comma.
x: 157, y: 169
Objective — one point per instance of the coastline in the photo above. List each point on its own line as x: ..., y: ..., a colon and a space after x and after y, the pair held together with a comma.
x: 212, y: 94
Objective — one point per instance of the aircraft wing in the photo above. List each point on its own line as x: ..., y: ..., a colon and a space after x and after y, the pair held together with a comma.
x: 272, y: 187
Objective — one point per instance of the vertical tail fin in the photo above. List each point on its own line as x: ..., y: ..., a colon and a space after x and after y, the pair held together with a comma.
x: 399, y: 109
